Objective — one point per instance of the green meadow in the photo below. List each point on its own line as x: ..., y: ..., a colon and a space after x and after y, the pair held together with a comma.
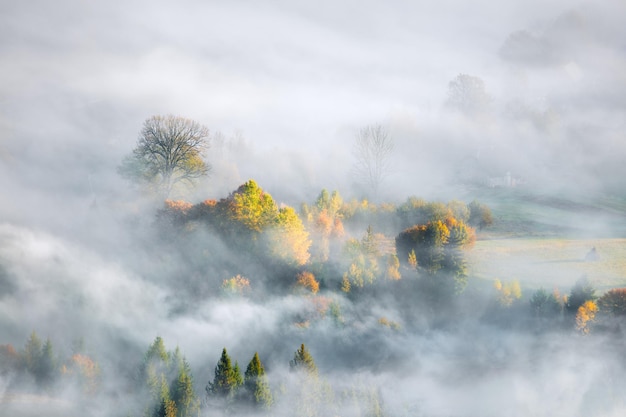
x: 542, y: 240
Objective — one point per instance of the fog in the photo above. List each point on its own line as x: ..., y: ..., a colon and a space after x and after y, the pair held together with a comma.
x: 284, y: 87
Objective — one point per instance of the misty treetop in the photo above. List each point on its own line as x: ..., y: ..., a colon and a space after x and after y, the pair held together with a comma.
x: 327, y: 246
x: 168, y: 153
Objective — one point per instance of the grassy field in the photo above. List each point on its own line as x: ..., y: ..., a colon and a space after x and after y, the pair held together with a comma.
x: 542, y: 240
x: 550, y: 262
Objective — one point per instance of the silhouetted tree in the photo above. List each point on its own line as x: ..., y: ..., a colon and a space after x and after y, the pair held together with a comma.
x: 168, y: 152
x: 582, y: 291
x: 467, y: 94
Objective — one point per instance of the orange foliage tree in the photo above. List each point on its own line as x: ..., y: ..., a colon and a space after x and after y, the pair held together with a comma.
x: 85, y: 370
x: 306, y: 280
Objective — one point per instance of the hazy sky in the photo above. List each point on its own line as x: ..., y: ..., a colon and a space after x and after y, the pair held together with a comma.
x: 80, y: 77
x: 282, y: 72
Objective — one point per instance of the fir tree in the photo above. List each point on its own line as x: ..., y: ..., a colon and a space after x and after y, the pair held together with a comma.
x: 47, y: 365
x: 303, y: 361
x: 182, y: 390
x: 256, y: 384
x: 166, y: 407
x: 227, y: 378
x: 32, y: 353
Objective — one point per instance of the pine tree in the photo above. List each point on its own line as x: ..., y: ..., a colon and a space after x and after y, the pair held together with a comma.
x: 166, y: 407
x: 256, y: 384
x: 182, y: 390
x: 47, y: 365
x: 32, y: 353
x: 156, y: 362
x: 227, y: 378
x: 303, y: 361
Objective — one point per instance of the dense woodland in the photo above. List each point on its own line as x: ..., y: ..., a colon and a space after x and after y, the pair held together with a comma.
x: 336, y: 259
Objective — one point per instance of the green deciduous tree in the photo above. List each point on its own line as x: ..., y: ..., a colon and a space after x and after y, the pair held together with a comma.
x: 480, y: 215
x: 168, y: 152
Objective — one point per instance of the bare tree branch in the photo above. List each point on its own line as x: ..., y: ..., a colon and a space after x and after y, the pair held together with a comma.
x: 372, y: 151
x: 169, y: 151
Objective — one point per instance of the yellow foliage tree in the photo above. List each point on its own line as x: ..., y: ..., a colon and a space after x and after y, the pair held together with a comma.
x: 585, y: 316
x: 289, y: 240
x: 507, y: 292
x: 393, y: 268
x: 236, y: 285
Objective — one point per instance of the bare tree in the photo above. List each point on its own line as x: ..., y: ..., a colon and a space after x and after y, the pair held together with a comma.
x: 168, y: 152
x: 372, y: 150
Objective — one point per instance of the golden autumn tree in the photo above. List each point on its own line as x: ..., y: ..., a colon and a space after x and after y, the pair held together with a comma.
x: 586, y: 315
x: 507, y: 292
x: 237, y: 285
x: 393, y: 268
x: 288, y: 239
x: 324, y: 221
